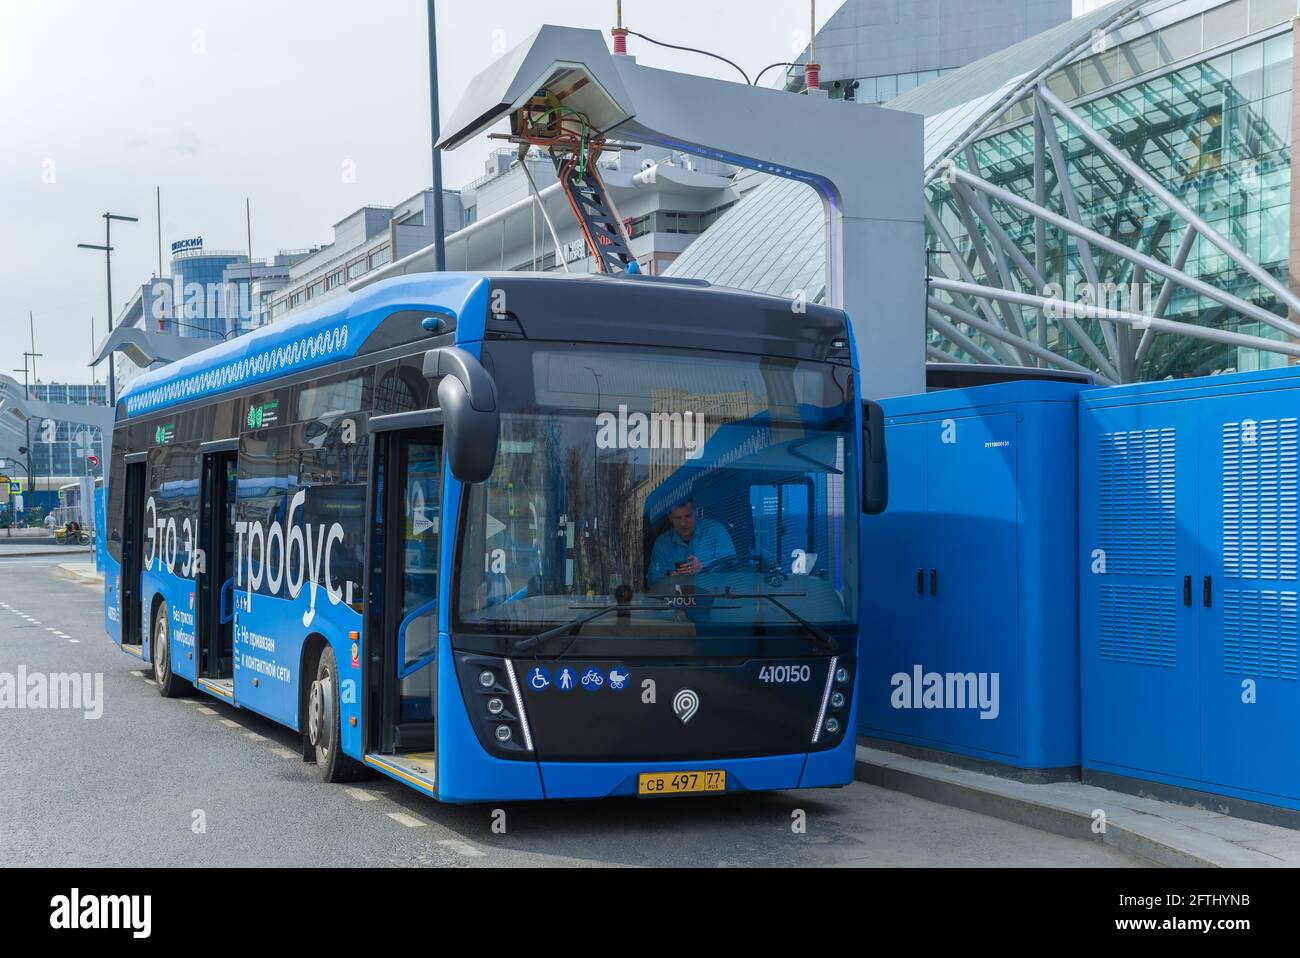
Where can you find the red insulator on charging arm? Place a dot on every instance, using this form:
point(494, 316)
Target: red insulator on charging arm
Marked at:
point(812, 76)
point(620, 40)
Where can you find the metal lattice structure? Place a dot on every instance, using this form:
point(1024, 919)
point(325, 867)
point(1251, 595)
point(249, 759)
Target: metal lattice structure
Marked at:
point(1143, 146)
point(1009, 227)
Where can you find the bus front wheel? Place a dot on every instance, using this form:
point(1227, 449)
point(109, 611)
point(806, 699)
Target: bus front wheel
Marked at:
point(323, 731)
point(160, 650)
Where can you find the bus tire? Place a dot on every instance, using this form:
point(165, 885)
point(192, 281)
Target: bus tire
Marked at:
point(169, 685)
point(323, 729)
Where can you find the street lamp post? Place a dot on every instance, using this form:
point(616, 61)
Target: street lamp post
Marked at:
point(27, 424)
point(108, 274)
point(440, 253)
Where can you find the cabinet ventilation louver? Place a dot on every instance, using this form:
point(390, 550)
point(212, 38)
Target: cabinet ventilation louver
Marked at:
point(1259, 499)
point(1259, 633)
point(1138, 624)
point(1136, 499)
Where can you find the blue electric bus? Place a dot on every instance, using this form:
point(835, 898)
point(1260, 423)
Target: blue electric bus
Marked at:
point(512, 536)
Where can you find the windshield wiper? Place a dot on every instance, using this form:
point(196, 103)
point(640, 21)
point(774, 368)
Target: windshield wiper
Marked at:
point(573, 625)
point(568, 628)
point(815, 632)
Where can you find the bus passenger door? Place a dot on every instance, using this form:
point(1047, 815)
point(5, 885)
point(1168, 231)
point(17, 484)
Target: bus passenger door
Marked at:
point(405, 545)
point(216, 585)
point(133, 536)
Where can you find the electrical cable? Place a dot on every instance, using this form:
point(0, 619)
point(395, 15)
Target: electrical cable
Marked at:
point(769, 67)
point(673, 46)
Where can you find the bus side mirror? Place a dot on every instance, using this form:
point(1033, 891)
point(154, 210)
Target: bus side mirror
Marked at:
point(875, 465)
point(470, 416)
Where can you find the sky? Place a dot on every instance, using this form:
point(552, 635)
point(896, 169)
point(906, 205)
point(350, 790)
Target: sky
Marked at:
point(308, 108)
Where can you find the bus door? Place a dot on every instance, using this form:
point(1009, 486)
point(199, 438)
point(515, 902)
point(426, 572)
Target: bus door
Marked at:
point(405, 542)
point(133, 536)
point(216, 586)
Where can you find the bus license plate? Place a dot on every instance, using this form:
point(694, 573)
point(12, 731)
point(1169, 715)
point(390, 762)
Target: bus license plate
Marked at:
point(680, 783)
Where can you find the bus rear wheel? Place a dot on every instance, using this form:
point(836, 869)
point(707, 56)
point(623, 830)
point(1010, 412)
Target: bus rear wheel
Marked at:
point(160, 651)
point(323, 729)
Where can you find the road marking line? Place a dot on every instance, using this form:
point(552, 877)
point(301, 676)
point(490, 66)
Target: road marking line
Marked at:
point(255, 737)
point(206, 711)
point(410, 821)
point(75, 641)
point(50, 628)
point(230, 723)
point(461, 848)
point(139, 674)
point(360, 795)
point(285, 753)
point(150, 682)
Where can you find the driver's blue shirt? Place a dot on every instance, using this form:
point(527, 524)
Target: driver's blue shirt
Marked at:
point(709, 544)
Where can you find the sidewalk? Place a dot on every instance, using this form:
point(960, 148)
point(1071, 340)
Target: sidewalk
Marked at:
point(82, 570)
point(1161, 832)
point(20, 548)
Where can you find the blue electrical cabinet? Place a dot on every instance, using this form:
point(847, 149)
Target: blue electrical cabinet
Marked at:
point(1188, 590)
point(969, 634)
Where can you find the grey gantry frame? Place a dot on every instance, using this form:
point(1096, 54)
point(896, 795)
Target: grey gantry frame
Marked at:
point(985, 318)
point(862, 161)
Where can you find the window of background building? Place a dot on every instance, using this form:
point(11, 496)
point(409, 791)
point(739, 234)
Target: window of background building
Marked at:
point(379, 257)
point(356, 269)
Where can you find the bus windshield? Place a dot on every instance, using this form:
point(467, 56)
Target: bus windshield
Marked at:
point(689, 489)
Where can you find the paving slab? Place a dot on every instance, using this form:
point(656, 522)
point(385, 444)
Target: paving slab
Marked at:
point(1161, 832)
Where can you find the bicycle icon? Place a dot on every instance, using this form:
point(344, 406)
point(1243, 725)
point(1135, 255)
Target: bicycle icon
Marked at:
point(592, 680)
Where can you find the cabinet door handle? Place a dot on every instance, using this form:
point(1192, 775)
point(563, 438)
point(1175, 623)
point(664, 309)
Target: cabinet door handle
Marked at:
point(1187, 591)
point(934, 581)
point(920, 582)
point(1207, 592)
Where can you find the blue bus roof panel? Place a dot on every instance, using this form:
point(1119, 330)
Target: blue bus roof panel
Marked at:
point(326, 334)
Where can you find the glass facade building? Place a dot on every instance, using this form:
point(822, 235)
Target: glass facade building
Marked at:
point(209, 299)
point(1211, 121)
point(1111, 195)
point(59, 449)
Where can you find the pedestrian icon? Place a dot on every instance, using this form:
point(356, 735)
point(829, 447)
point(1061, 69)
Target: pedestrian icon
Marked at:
point(618, 679)
point(538, 679)
point(566, 679)
point(592, 680)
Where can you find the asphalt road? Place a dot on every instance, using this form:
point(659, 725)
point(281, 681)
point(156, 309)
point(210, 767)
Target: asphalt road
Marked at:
point(192, 781)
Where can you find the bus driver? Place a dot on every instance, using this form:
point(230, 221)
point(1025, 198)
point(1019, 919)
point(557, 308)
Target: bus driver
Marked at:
point(690, 545)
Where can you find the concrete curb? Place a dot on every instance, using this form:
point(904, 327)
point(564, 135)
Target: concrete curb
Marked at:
point(77, 569)
point(1176, 836)
point(70, 551)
